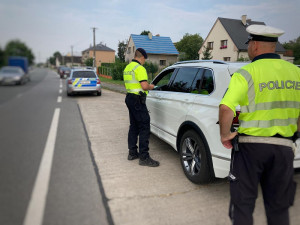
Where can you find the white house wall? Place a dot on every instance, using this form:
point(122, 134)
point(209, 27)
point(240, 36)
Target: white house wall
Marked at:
point(129, 56)
point(217, 34)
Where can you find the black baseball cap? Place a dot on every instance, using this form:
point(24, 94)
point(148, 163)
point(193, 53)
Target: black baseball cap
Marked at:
point(143, 52)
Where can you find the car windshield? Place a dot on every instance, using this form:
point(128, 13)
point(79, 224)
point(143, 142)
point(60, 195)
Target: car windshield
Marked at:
point(84, 74)
point(10, 70)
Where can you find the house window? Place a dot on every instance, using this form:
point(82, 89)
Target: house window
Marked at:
point(223, 44)
point(129, 50)
point(227, 59)
point(133, 49)
point(210, 45)
point(162, 62)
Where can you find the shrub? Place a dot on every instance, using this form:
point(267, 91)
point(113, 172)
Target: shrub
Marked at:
point(117, 71)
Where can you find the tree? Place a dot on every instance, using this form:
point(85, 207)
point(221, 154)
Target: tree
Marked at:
point(151, 68)
point(145, 32)
point(294, 45)
point(190, 45)
point(121, 51)
point(206, 54)
point(89, 62)
point(58, 55)
point(18, 48)
point(52, 60)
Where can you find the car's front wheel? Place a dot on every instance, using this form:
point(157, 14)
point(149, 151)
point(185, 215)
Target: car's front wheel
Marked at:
point(194, 158)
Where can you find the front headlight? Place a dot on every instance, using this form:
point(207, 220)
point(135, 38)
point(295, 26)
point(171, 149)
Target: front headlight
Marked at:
point(17, 78)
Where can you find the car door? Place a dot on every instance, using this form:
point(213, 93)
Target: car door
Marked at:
point(174, 103)
point(162, 82)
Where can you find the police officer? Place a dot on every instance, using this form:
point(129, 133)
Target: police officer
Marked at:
point(268, 92)
point(137, 86)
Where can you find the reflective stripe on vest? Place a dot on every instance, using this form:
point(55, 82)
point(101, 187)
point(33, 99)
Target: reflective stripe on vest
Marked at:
point(251, 114)
point(131, 80)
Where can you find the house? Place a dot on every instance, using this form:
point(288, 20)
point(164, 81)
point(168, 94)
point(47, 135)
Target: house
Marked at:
point(103, 54)
point(160, 50)
point(226, 40)
point(69, 60)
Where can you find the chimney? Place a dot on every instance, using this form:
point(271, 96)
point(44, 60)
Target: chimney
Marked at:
point(150, 35)
point(244, 19)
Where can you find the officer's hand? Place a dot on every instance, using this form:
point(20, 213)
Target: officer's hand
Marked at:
point(226, 140)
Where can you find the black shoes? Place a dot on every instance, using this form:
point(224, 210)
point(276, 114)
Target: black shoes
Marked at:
point(132, 157)
point(149, 162)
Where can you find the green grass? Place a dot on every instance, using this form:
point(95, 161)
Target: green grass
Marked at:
point(120, 82)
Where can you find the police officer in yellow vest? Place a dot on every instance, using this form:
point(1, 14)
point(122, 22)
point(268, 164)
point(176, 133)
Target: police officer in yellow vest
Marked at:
point(268, 92)
point(137, 86)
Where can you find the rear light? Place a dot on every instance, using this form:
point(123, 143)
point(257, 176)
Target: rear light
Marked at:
point(69, 81)
point(98, 81)
point(235, 121)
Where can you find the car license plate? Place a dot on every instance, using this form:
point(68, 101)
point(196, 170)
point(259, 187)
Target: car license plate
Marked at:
point(85, 82)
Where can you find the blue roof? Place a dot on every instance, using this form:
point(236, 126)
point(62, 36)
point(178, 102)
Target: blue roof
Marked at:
point(156, 45)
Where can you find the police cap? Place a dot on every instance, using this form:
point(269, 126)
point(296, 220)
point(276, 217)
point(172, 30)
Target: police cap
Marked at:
point(263, 33)
point(143, 52)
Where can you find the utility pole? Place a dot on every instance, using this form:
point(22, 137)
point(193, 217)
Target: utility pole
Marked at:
point(94, 38)
point(71, 56)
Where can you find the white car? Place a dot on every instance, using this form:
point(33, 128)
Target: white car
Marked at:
point(184, 110)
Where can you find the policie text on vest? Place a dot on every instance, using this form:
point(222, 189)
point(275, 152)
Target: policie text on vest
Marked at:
point(288, 84)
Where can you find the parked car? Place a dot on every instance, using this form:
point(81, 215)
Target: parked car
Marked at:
point(13, 75)
point(64, 72)
point(184, 109)
point(83, 80)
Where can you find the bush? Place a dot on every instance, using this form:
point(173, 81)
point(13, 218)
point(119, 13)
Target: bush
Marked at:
point(117, 71)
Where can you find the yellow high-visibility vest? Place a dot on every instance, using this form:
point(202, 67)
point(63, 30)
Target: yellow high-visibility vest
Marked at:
point(268, 91)
point(132, 75)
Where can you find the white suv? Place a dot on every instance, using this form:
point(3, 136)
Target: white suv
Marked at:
point(184, 110)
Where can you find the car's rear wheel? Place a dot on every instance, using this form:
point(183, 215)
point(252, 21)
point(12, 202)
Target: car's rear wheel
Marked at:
point(194, 158)
point(99, 93)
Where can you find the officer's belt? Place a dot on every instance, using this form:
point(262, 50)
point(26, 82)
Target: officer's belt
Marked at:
point(267, 140)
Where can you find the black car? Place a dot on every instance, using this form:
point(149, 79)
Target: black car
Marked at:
point(64, 72)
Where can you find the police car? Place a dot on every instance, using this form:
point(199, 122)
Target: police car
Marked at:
point(83, 81)
point(184, 109)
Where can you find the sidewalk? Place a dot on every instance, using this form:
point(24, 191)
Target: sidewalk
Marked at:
point(152, 196)
point(113, 87)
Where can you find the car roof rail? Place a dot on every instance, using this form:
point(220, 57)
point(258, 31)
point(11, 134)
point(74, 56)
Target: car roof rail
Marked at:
point(200, 61)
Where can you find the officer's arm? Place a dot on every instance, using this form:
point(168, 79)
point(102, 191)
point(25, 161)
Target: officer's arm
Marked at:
point(146, 86)
point(225, 120)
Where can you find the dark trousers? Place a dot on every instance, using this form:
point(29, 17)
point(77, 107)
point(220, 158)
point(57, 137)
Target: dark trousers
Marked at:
point(139, 126)
point(272, 167)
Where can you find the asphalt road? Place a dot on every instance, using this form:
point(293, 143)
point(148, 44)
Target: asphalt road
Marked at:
point(72, 195)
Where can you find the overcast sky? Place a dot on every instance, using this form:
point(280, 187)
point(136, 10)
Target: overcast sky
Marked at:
point(56, 25)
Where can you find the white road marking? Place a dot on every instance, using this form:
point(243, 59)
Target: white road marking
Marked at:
point(60, 91)
point(60, 83)
point(37, 203)
point(59, 99)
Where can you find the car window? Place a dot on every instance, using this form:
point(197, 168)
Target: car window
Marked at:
point(10, 70)
point(184, 79)
point(204, 82)
point(163, 80)
point(84, 74)
point(207, 85)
